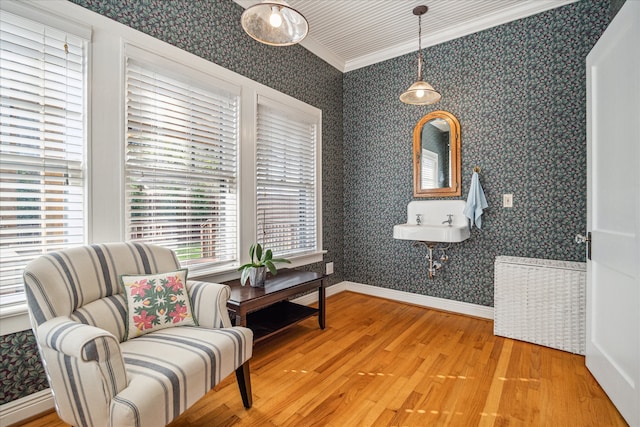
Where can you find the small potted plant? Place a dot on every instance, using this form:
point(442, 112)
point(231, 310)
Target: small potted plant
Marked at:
point(256, 270)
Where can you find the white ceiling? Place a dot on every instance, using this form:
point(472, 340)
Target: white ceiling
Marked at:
point(351, 34)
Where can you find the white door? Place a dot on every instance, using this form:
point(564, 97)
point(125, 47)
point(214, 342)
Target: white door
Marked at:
point(613, 211)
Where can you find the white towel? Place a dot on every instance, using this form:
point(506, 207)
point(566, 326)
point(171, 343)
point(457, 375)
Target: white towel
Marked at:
point(476, 202)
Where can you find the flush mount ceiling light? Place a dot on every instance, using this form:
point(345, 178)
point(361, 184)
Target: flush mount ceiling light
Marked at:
point(275, 23)
point(421, 92)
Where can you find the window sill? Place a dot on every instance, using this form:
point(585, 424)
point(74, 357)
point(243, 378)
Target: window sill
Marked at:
point(15, 318)
point(230, 273)
point(307, 259)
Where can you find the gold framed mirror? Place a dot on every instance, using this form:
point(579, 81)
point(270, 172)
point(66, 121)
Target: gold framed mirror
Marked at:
point(436, 156)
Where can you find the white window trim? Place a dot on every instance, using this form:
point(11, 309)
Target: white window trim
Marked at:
point(106, 126)
point(179, 71)
point(251, 93)
point(14, 315)
point(305, 115)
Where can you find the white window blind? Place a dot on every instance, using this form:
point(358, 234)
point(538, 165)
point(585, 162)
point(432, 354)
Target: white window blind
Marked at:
point(286, 181)
point(429, 172)
point(42, 150)
point(181, 165)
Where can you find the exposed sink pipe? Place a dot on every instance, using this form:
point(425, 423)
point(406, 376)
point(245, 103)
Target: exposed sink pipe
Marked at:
point(434, 264)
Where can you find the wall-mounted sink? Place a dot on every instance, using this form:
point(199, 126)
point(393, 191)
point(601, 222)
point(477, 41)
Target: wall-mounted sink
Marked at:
point(433, 216)
point(433, 224)
point(431, 233)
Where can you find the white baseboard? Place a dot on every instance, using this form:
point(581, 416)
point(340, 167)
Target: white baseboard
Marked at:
point(312, 297)
point(26, 407)
point(401, 296)
point(422, 300)
point(37, 403)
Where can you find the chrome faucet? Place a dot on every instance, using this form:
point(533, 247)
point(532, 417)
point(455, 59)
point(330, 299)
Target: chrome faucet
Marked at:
point(449, 221)
point(418, 219)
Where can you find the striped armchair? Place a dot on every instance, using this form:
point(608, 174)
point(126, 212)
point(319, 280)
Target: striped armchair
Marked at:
point(98, 378)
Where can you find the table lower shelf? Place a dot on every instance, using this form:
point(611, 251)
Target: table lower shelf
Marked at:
point(277, 317)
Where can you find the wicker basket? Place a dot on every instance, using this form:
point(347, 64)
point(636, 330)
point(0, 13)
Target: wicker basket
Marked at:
point(541, 301)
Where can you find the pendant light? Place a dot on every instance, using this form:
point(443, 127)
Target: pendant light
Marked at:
point(421, 92)
point(275, 23)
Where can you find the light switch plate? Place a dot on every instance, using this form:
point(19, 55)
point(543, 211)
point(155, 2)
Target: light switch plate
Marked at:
point(507, 200)
point(329, 268)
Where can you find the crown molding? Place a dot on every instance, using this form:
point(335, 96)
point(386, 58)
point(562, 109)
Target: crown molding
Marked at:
point(323, 53)
point(514, 13)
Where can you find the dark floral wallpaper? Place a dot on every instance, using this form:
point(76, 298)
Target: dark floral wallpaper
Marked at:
point(616, 5)
point(21, 372)
point(519, 93)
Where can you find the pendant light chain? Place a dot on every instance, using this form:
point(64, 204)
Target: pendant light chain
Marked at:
point(419, 47)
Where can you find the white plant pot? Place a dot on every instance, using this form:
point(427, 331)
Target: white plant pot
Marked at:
point(257, 276)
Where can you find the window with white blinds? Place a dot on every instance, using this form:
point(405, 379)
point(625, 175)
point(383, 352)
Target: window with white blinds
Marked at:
point(429, 172)
point(181, 165)
point(286, 181)
point(43, 144)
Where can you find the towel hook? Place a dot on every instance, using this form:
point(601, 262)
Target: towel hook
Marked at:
point(477, 169)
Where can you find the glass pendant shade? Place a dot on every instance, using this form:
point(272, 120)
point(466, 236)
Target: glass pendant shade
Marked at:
point(275, 23)
point(420, 93)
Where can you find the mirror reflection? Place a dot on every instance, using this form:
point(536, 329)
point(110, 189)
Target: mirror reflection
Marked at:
point(435, 170)
point(436, 146)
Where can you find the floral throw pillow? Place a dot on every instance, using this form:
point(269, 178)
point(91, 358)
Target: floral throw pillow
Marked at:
point(156, 301)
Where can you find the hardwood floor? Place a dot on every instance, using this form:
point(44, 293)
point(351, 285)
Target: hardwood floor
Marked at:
point(383, 363)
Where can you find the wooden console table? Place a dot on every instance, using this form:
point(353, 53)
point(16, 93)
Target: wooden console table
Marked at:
point(267, 311)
